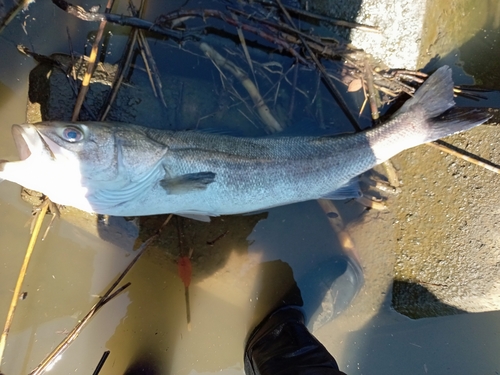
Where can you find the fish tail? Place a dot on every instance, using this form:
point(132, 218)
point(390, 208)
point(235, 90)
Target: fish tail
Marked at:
point(435, 99)
point(455, 120)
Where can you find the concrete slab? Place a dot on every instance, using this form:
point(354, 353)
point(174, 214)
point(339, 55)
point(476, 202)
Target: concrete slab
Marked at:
point(410, 32)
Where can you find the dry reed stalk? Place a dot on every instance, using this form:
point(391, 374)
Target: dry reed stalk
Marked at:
point(442, 147)
point(262, 109)
point(90, 67)
point(22, 274)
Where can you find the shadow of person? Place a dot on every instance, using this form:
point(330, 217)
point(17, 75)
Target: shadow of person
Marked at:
point(322, 294)
point(142, 366)
point(281, 343)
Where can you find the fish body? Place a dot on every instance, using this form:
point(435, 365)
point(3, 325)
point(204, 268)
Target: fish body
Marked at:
point(128, 170)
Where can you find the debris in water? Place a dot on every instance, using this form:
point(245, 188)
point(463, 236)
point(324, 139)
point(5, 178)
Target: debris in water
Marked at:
point(185, 272)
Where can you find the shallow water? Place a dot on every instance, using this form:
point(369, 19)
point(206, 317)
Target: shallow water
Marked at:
point(145, 327)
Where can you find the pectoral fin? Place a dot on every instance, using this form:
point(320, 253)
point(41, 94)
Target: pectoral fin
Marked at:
point(347, 191)
point(187, 182)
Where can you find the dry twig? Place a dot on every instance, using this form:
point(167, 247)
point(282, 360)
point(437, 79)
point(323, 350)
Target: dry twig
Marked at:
point(333, 21)
point(120, 74)
point(442, 146)
point(244, 46)
point(22, 274)
point(75, 332)
point(90, 67)
point(333, 90)
point(263, 110)
point(372, 93)
point(101, 362)
point(110, 294)
point(13, 12)
point(152, 69)
point(82, 14)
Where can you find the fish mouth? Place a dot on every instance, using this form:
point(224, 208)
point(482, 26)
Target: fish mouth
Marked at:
point(28, 141)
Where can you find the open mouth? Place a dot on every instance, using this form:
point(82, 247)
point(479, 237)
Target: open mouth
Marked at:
point(21, 145)
point(28, 140)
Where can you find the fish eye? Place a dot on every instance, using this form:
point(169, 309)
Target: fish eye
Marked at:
point(72, 134)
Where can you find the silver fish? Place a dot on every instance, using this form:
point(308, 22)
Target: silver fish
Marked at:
point(128, 170)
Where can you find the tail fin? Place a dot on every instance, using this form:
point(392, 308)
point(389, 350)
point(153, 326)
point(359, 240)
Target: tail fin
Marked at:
point(435, 97)
point(456, 120)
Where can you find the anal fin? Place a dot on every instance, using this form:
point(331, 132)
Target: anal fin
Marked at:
point(198, 217)
point(348, 191)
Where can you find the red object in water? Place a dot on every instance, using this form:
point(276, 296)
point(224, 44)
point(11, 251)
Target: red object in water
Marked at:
point(185, 270)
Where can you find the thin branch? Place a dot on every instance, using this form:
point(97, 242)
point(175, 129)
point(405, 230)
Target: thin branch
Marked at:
point(244, 46)
point(152, 69)
point(120, 74)
point(333, 21)
point(82, 14)
point(22, 274)
point(443, 146)
point(90, 66)
point(281, 26)
point(72, 336)
point(110, 294)
point(391, 174)
point(264, 112)
point(205, 13)
point(101, 362)
point(372, 93)
point(294, 86)
point(328, 81)
point(13, 12)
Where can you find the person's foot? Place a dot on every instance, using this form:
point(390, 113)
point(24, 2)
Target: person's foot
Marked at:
point(281, 344)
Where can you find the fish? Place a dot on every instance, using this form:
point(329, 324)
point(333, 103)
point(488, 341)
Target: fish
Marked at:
point(129, 170)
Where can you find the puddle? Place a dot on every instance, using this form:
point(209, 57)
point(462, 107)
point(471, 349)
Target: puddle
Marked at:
point(145, 327)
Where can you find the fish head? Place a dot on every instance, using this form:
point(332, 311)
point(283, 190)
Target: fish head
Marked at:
point(105, 154)
point(92, 166)
point(84, 151)
point(65, 161)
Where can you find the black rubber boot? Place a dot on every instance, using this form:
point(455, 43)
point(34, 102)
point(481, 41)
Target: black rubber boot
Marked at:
point(281, 344)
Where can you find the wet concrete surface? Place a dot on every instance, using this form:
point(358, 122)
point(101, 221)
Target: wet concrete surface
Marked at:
point(410, 33)
point(447, 223)
point(399, 25)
